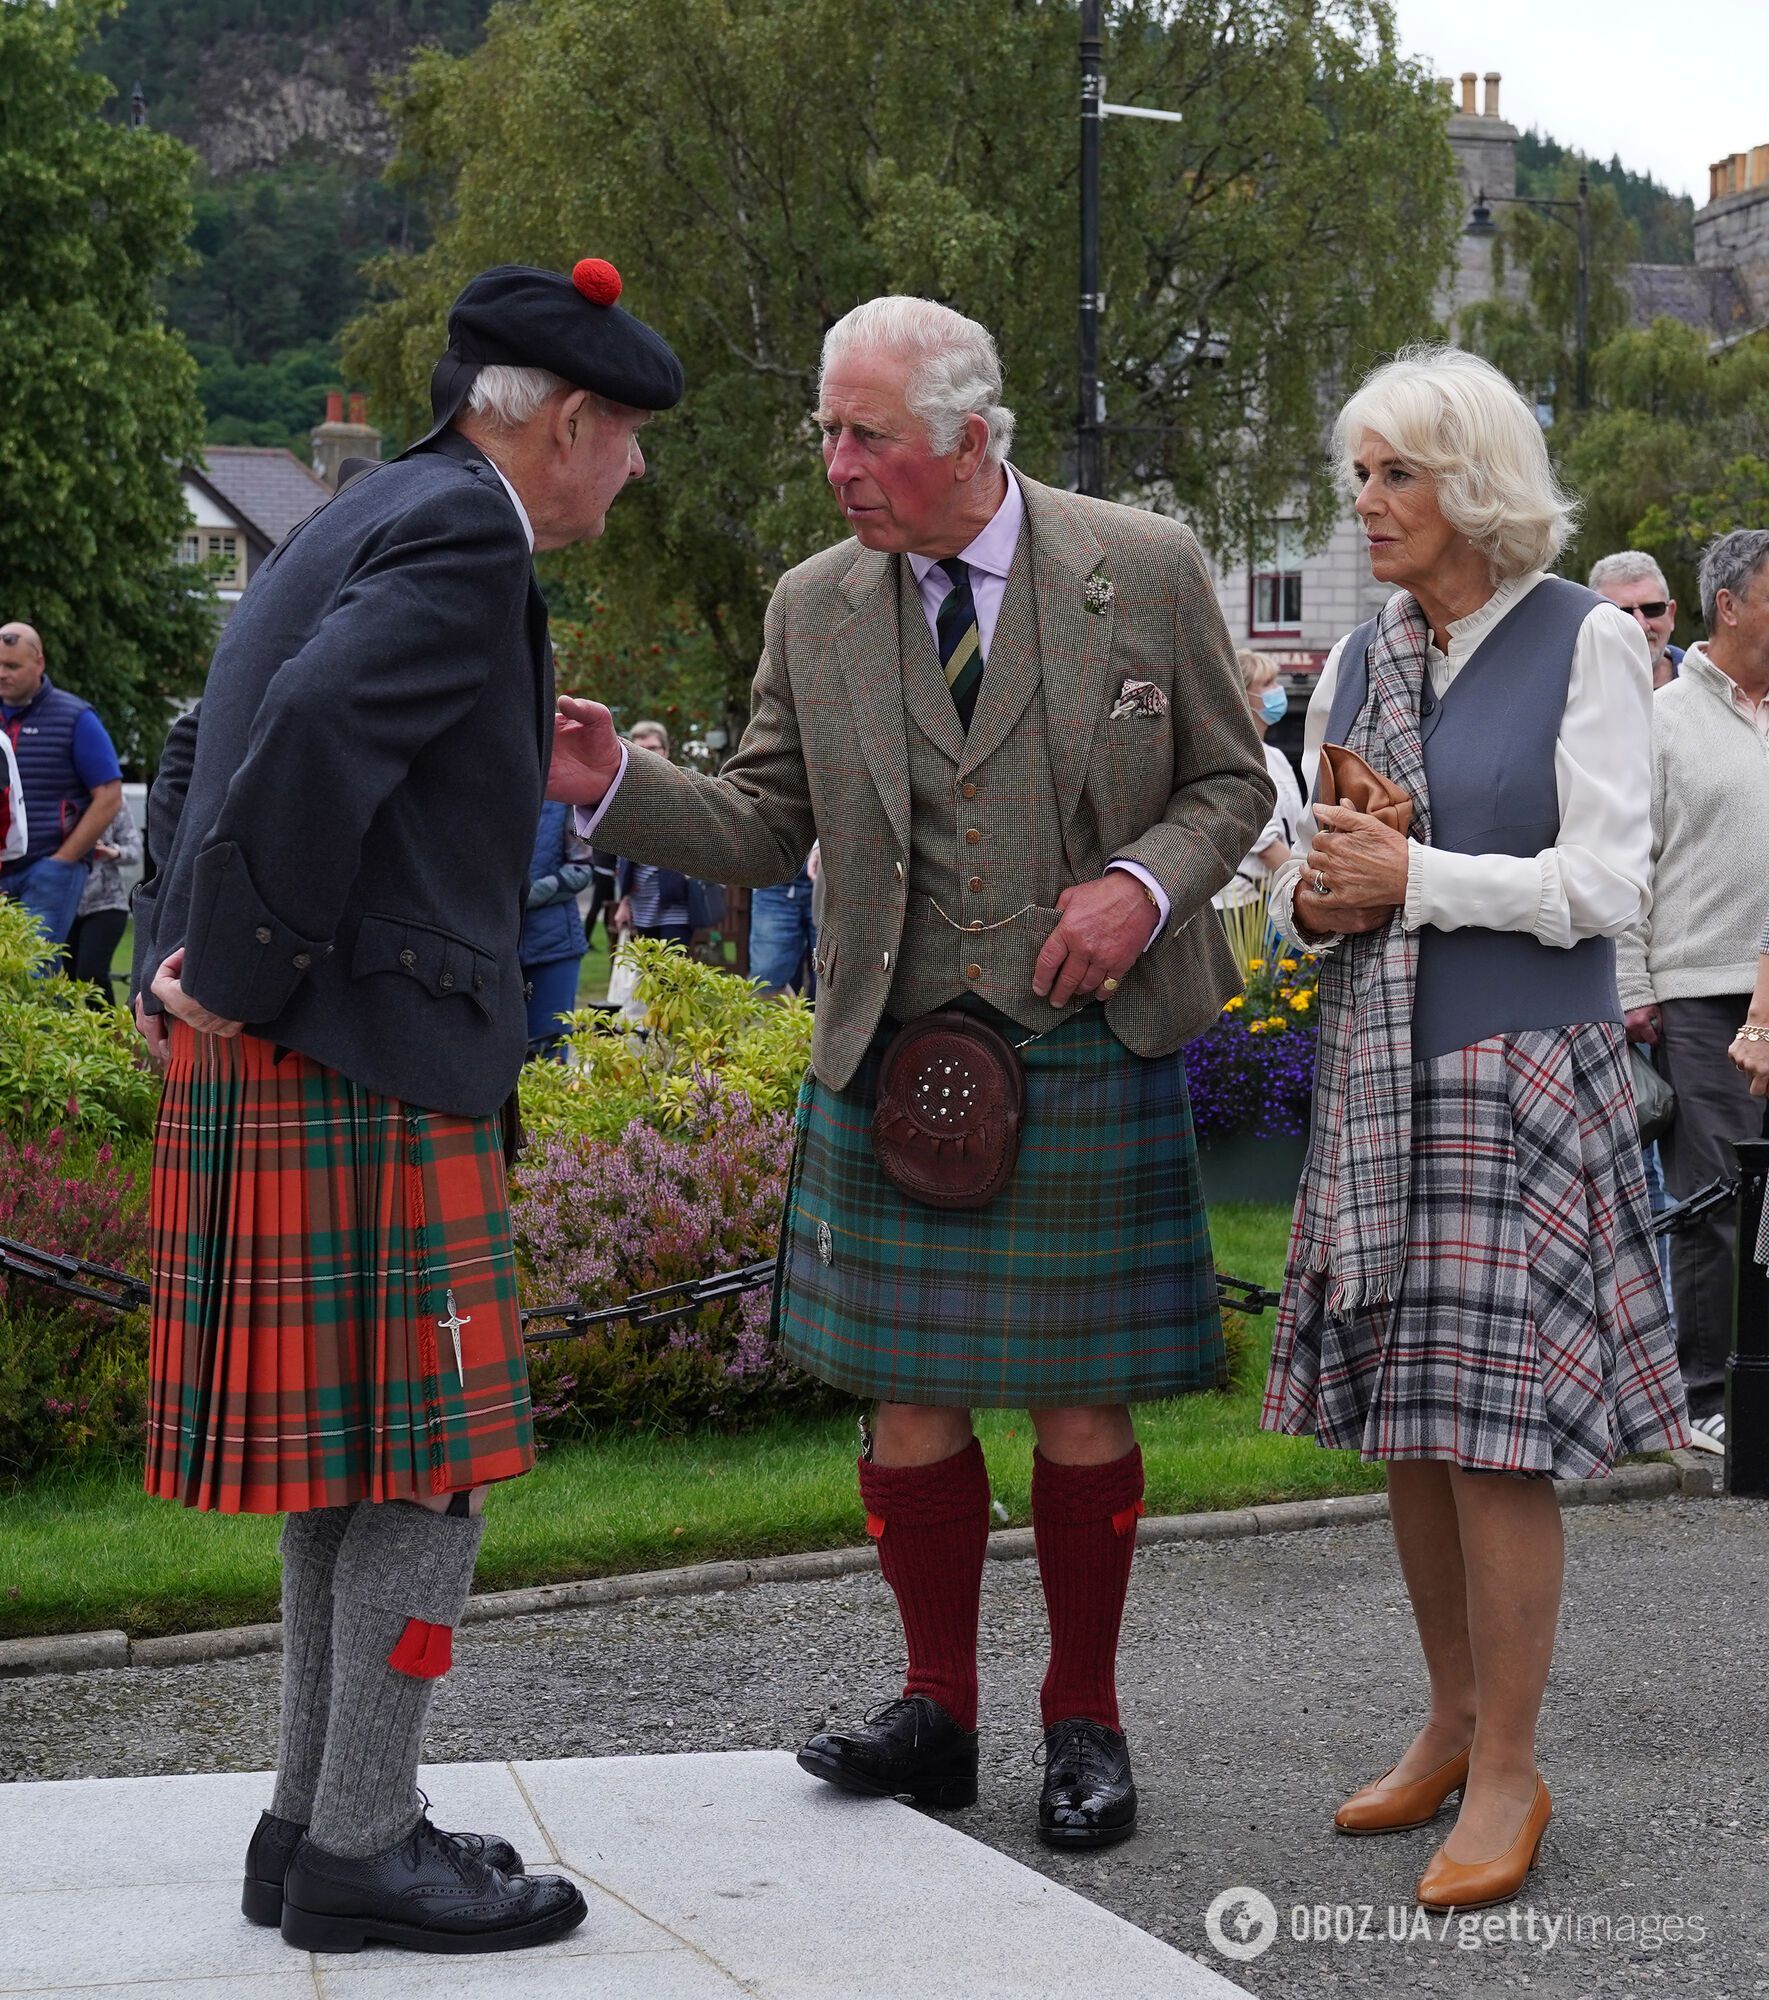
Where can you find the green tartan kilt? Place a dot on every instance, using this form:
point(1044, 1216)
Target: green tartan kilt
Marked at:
point(1088, 1280)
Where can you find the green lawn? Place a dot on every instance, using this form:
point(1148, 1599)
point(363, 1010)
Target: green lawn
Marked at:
point(90, 1552)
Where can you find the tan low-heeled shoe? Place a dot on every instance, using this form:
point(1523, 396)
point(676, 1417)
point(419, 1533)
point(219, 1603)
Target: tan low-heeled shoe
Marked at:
point(1371, 1811)
point(1472, 1885)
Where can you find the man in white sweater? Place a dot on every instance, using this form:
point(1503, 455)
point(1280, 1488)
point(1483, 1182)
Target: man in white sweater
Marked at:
point(1687, 968)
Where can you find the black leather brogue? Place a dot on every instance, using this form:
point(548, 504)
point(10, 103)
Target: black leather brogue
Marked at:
point(273, 1845)
point(1089, 1799)
point(910, 1748)
point(430, 1893)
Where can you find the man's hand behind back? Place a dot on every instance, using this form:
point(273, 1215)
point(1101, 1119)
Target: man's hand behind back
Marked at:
point(586, 753)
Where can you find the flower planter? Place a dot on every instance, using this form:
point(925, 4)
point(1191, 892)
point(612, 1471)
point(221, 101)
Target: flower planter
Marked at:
point(1239, 1167)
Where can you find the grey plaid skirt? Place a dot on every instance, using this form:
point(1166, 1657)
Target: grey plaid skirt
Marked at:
point(1531, 1333)
point(1088, 1280)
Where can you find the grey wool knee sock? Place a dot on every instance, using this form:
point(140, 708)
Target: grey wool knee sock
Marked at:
point(402, 1572)
point(310, 1550)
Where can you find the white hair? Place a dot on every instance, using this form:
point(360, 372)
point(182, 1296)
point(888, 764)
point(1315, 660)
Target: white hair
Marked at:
point(1627, 566)
point(1457, 420)
point(509, 397)
point(955, 372)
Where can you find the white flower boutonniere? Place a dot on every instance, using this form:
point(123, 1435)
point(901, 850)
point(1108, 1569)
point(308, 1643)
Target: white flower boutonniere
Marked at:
point(1097, 593)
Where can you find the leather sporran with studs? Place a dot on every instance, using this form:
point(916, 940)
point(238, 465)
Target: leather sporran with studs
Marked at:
point(951, 1102)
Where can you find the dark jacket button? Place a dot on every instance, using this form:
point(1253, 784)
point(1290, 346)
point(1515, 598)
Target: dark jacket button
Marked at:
point(262, 934)
point(528, 990)
point(408, 959)
point(303, 960)
point(479, 982)
point(447, 982)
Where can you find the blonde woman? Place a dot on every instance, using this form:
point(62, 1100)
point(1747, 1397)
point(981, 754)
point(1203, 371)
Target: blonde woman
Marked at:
point(1472, 1295)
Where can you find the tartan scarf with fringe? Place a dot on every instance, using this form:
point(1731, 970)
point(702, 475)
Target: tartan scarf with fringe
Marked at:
point(1351, 1207)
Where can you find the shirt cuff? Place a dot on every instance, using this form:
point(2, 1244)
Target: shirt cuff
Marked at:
point(1413, 909)
point(588, 821)
point(1283, 913)
point(1163, 908)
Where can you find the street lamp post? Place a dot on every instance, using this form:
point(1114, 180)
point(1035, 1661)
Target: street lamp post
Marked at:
point(1089, 472)
point(1481, 224)
point(1090, 417)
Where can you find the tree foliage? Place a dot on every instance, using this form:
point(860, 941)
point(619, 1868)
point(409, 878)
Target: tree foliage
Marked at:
point(1535, 339)
point(1674, 452)
point(98, 404)
point(756, 167)
point(1665, 222)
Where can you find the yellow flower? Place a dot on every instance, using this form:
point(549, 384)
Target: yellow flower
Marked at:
point(1300, 1001)
point(1256, 1027)
point(1233, 1006)
point(1274, 1020)
point(1286, 965)
point(1256, 965)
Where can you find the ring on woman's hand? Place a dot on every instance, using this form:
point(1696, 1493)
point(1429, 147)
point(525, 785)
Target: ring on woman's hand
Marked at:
point(1320, 883)
point(1108, 986)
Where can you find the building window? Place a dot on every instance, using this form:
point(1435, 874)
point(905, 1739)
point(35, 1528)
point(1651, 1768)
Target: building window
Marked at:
point(1276, 585)
point(222, 555)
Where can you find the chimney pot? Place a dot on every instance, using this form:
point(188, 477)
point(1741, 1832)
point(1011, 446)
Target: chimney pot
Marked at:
point(1468, 82)
point(1492, 93)
point(335, 406)
point(1759, 166)
point(359, 409)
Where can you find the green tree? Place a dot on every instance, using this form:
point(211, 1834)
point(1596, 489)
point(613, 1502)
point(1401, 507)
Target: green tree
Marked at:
point(98, 404)
point(1675, 451)
point(1535, 339)
point(756, 169)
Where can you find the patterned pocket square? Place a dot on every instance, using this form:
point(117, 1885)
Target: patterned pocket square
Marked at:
point(1138, 698)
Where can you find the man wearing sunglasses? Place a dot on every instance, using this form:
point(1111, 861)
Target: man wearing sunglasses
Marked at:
point(1634, 581)
point(70, 781)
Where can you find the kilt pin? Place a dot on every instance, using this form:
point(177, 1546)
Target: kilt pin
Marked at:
point(960, 777)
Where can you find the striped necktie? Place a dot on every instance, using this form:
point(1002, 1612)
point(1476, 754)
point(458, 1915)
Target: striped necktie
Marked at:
point(961, 646)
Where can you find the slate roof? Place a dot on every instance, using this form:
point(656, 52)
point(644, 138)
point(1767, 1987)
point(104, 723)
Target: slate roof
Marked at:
point(1708, 296)
point(266, 484)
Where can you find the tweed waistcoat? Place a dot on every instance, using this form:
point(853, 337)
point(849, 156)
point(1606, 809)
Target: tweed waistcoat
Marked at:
point(961, 827)
point(1489, 767)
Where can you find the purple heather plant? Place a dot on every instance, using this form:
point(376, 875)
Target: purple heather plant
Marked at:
point(601, 1219)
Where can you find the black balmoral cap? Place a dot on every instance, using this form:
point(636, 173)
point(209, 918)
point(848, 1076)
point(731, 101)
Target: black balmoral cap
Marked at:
point(518, 317)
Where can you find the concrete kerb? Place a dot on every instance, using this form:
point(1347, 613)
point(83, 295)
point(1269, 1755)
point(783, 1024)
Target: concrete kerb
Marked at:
point(1691, 1474)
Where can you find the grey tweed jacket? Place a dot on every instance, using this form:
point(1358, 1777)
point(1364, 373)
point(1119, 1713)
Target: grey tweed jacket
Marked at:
point(1111, 723)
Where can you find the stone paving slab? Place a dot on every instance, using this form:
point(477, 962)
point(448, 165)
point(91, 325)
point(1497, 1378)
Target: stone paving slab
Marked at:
point(708, 1876)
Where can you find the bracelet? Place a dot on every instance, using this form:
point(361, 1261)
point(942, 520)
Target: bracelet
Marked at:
point(1752, 1032)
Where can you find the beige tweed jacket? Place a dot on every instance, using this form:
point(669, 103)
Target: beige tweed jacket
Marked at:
point(1111, 722)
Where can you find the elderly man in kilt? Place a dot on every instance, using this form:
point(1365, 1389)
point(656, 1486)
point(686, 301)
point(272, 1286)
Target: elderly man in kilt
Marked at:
point(1014, 720)
point(329, 952)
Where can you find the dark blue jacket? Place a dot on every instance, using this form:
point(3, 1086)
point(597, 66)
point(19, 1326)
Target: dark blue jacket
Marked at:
point(346, 862)
point(552, 929)
point(49, 779)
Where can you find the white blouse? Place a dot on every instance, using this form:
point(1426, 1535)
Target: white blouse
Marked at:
point(1593, 882)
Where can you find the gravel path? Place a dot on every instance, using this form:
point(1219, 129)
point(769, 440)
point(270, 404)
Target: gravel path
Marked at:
point(1262, 1679)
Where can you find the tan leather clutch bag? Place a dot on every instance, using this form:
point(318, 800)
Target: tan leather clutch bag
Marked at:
point(1346, 780)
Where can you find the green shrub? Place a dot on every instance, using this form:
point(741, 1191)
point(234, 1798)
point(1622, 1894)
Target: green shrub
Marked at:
point(59, 1057)
point(700, 1023)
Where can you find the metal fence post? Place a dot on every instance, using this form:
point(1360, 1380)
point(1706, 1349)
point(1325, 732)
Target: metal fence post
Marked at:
point(1747, 1366)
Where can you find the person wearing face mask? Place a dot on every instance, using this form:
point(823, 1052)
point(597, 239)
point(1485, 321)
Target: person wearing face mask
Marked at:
point(1269, 704)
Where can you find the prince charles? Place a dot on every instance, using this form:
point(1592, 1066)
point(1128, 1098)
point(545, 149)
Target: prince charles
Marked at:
point(1013, 718)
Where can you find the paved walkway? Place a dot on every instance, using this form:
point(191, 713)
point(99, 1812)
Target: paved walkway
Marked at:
point(708, 1877)
point(1262, 1679)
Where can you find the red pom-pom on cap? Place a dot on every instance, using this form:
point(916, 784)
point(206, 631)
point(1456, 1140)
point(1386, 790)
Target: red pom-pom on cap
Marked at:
point(597, 279)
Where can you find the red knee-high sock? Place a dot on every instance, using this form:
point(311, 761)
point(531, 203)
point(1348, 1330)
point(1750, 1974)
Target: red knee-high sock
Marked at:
point(1084, 1524)
point(931, 1523)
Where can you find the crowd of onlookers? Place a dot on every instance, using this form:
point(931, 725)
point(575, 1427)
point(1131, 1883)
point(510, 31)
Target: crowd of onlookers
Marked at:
point(1693, 971)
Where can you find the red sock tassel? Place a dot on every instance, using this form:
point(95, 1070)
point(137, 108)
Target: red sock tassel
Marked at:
point(1084, 1524)
point(425, 1652)
point(931, 1523)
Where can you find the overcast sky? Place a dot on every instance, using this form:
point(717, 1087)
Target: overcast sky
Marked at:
point(1670, 85)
